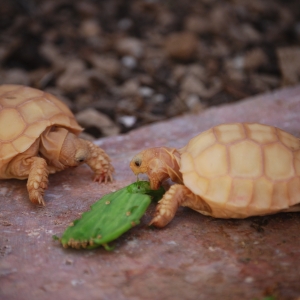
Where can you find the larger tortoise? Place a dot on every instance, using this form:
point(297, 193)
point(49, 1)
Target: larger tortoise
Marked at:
point(229, 171)
point(38, 136)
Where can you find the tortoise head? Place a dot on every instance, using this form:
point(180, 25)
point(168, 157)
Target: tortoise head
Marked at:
point(62, 148)
point(74, 151)
point(159, 164)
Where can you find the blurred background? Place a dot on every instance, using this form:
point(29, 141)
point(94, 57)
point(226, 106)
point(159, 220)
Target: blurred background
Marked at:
point(122, 64)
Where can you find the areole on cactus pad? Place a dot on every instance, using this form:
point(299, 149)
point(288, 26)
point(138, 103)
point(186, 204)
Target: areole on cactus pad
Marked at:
point(110, 217)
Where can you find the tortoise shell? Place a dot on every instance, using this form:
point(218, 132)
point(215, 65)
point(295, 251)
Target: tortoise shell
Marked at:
point(25, 113)
point(243, 169)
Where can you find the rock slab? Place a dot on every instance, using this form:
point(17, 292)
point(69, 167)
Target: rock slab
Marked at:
point(194, 257)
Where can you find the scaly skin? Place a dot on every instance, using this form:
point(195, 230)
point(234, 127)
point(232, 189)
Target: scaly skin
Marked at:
point(177, 195)
point(37, 180)
point(100, 163)
point(168, 205)
point(161, 163)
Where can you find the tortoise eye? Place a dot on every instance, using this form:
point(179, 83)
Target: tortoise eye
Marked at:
point(53, 128)
point(138, 163)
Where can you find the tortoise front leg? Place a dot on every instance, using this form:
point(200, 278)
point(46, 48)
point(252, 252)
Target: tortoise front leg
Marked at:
point(168, 205)
point(100, 163)
point(177, 195)
point(37, 179)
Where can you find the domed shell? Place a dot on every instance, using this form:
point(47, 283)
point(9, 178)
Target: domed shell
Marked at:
point(24, 114)
point(243, 169)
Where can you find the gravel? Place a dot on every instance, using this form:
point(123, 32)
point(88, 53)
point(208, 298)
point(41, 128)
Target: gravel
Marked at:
point(131, 63)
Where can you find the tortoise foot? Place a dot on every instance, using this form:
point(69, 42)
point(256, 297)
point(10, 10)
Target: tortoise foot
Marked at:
point(100, 163)
point(167, 206)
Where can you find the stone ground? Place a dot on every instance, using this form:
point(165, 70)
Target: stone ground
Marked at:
point(194, 257)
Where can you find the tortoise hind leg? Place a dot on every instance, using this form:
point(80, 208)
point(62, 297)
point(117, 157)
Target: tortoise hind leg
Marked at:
point(37, 180)
point(36, 170)
point(27, 165)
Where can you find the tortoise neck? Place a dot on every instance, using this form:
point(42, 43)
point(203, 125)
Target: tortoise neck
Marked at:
point(51, 143)
point(171, 157)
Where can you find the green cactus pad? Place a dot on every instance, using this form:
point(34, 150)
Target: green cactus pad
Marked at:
point(143, 187)
point(110, 217)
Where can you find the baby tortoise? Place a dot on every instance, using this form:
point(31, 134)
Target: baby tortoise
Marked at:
point(38, 136)
point(229, 171)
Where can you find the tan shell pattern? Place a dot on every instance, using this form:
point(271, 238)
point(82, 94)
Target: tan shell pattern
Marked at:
point(24, 114)
point(243, 169)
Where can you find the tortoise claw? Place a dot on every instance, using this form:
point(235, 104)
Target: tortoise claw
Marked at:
point(164, 213)
point(37, 198)
point(159, 221)
point(168, 205)
point(104, 177)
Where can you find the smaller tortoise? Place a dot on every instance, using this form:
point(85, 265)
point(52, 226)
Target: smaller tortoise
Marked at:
point(38, 136)
point(229, 171)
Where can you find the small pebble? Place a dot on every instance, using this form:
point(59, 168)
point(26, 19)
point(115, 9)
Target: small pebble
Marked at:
point(129, 62)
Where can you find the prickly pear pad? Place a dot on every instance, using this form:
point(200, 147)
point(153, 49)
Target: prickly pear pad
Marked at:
point(110, 217)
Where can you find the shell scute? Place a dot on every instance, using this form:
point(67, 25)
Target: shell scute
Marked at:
point(34, 130)
point(199, 143)
point(65, 122)
point(212, 161)
point(246, 159)
point(187, 163)
point(288, 140)
point(12, 101)
point(197, 184)
point(13, 95)
point(10, 132)
point(280, 197)
point(297, 162)
point(294, 191)
point(37, 109)
point(219, 189)
point(278, 162)
point(22, 143)
point(60, 105)
point(260, 133)
point(262, 195)
point(241, 193)
point(6, 88)
point(229, 133)
point(6, 150)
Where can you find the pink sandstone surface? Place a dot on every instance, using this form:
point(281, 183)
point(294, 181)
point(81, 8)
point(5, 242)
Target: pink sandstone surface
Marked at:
point(194, 257)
